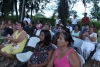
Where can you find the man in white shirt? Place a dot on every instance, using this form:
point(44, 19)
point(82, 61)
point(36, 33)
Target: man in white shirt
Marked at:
point(57, 20)
point(74, 21)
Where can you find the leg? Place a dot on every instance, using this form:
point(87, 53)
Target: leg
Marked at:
point(8, 59)
point(2, 58)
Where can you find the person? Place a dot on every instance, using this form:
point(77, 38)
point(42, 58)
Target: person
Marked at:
point(89, 42)
point(76, 32)
point(85, 21)
point(55, 28)
point(74, 21)
point(27, 18)
point(68, 26)
point(47, 27)
point(18, 41)
point(30, 29)
point(57, 20)
point(42, 52)
point(94, 27)
point(96, 55)
point(26, 25)
point(39, 25)
point(85, 29)
point(64, 55)
point(9, 28)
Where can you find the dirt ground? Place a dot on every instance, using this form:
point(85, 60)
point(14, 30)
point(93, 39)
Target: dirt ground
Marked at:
point(5, 61)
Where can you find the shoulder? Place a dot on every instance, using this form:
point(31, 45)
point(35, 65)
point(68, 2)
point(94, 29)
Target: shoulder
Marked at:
point(73, 54)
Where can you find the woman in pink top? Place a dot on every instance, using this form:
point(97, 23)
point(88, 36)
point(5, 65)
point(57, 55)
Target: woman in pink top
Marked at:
point(39, 25)
point(64, 56)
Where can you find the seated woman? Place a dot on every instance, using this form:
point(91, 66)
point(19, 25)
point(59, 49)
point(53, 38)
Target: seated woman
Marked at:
point(90, 40)
point(18, 40)
point(76, 32)
point(42, 52)
point(64, 55)
point(30, 29)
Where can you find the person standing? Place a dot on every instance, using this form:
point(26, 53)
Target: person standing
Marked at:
point(85, 21)
point(74, 21)
point(27, 18)
point(57, 20)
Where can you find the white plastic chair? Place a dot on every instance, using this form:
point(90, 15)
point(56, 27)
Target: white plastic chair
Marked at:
point(38, 32)
point(24, 57)
point(28, 36)
point(82, 60)
point(77, 43)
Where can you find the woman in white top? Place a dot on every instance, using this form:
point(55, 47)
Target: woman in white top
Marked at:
point(27, 18)
point(90, 40)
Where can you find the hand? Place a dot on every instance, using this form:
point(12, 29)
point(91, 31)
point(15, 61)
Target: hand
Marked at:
point(35, 65)
point(6, 38)
point(3, 22)
point(87, 34)
point(29, 63)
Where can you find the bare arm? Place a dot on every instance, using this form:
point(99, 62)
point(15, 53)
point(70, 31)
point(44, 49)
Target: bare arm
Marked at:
point(45, 63)
point(50, 64)
point(21, 37)
point(74, 59)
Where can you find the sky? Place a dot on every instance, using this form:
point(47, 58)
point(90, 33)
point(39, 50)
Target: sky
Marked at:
point(78, 7)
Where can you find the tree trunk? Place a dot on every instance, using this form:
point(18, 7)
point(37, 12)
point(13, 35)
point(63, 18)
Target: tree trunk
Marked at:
point(22, 14)
point(63, 9)
point(15, 1)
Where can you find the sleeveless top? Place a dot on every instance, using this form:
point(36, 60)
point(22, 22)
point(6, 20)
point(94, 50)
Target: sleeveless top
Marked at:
point(75, 34)
point(16, 35)
point(63, 62)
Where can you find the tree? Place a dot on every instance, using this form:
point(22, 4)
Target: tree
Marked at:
point(95, 12)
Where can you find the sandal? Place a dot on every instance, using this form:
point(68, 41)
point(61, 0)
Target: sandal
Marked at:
point(1, 59)
point(15, 64)
point(9, 63)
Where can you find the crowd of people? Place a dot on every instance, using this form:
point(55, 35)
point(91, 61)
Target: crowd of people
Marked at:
point(45, 54)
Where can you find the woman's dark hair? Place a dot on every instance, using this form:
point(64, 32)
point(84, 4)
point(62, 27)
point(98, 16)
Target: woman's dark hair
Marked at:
point(40, 21)
point(78, 26)
point(68, 37)
point(47, 39)
point(26, 22)
point(22, 24)
point(27, 15)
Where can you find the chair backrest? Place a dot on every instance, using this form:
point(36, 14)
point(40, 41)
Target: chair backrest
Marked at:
point(82, 60)
point(33, 41)
point(77, 42)
point(38, 32)
point(28, 36)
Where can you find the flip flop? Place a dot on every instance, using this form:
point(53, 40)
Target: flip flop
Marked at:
point(9, 63)
point(15, 65)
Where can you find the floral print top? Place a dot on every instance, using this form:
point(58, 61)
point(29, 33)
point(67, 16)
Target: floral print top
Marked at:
point(40, 55)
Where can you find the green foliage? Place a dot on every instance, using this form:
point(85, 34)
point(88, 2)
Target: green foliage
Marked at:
point(44, 20)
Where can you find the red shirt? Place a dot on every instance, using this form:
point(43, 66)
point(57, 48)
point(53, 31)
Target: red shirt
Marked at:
point(85, 20)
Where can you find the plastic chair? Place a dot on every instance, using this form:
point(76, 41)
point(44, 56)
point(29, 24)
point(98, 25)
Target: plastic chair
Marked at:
point(24, 57)
point(77, 43)
point(82, 60)
point(38, 32)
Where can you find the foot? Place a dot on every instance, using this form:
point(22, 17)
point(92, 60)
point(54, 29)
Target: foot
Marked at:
point(9, 63)
point(15, 64)
point(1, 59)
